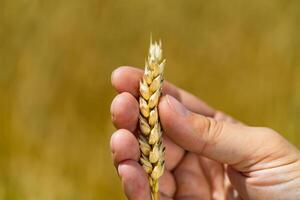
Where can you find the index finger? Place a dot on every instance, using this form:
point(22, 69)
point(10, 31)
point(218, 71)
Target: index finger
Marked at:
point(126, 79)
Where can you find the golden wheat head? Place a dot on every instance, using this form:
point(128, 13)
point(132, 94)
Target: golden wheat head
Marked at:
point(150, 132)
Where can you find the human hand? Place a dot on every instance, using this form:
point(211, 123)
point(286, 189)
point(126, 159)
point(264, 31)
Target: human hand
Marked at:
point(208, 154)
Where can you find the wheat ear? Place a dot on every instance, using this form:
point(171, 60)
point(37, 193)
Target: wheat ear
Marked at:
point(150, 132)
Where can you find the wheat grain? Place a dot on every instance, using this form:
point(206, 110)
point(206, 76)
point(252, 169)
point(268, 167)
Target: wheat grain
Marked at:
point(150, 132)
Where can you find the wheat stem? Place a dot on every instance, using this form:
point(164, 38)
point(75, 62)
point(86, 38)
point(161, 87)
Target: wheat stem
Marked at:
point(150, 132)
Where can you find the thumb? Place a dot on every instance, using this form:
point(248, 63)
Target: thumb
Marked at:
point(234, 144)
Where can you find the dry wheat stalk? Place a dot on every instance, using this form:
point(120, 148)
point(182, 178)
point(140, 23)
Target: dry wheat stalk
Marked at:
point(150, 132)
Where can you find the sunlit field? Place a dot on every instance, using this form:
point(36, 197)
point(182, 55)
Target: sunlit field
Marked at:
point(56, 58)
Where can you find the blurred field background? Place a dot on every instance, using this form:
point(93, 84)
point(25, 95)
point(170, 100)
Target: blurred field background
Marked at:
point(56, 57)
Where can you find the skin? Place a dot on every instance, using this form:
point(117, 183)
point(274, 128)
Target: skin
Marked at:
point(209, 155)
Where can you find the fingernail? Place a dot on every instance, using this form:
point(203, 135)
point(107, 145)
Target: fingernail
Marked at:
point(177, 106)
point(112, 108)
point(121, 168)
point(112, 76)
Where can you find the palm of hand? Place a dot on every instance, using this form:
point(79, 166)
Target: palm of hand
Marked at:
point(190, 176)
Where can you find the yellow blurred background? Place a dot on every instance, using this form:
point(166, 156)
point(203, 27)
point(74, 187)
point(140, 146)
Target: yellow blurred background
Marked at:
point(56, 57)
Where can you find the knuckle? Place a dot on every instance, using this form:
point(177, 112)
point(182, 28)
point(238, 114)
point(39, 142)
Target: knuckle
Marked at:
point(214, 131)
point(210, 130)
point(266, 132)
point(270, 136)
point(220, 116)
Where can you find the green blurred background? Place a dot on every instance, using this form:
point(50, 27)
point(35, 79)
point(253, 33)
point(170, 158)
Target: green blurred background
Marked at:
point(56, 57)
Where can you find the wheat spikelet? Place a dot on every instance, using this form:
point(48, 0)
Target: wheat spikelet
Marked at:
point(150, 132)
